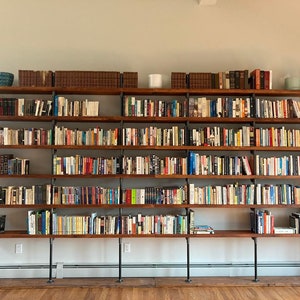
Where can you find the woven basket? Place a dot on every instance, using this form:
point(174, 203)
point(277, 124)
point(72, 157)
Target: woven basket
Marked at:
point(6, 79)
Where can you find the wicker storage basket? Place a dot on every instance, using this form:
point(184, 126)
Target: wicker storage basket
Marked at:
point(178, 80)
point(6, 79)
point(35, 78)
point(200, 80)
point(130, 79)
point(96, 79)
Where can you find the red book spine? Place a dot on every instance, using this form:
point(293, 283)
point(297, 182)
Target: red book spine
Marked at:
point(256, 75)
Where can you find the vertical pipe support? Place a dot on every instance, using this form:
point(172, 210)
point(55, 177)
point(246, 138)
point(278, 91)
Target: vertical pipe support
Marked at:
point(188, 279)
point(120, 261)
point(50, 279)
point(255, 259)
point(120, 247)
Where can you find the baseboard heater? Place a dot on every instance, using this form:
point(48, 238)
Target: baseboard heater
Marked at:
point(152, 266)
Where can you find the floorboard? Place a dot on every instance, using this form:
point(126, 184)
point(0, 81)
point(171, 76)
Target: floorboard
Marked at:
point(206, 288)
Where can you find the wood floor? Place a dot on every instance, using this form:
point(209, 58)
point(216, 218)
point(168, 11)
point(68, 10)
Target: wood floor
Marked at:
point(216, 288)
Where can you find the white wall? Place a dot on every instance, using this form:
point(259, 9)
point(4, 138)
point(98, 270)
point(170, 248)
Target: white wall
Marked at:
point(151, 36)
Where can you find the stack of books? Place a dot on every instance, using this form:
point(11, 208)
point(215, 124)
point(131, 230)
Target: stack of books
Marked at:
point(202, 229)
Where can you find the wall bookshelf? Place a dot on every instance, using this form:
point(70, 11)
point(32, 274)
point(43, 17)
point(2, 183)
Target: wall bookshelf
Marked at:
point(124, 180)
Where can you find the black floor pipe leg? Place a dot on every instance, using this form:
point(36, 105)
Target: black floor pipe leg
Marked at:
point(255, 260)
point(50, 280)
point(120, 261)
point(188, 279)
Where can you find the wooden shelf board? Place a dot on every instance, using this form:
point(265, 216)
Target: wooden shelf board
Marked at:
point(217, 234)
point(145, 91)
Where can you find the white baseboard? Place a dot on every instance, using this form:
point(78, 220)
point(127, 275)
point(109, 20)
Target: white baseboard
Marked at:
point(148, 270)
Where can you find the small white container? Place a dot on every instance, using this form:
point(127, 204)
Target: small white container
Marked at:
point(292, 83)
point(155, 80)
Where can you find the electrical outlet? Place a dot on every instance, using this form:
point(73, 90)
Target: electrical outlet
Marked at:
point(59, 270)
point(19, 248)
point(127, 248)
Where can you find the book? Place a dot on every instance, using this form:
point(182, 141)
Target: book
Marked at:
point(254, 79)
point(294, 222)
point(284, 230)
point(246, 165)
point(202, 229)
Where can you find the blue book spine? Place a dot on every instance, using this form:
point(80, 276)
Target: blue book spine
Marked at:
point(55, 108)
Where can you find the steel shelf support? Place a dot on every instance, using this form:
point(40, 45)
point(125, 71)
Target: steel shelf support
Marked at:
point(255, 259)
point(188, 279)
point(120, 261)
point(50, 279)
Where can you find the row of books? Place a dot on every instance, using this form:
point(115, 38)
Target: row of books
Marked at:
point(60, 106)
point(92, 136)
point(232, 194)
point(276, 108)
point(33, 107)
point(133, 107)
point(243, 108)
point(220, 136)
point(277, 194)
point(25, 136)
point(260, 79)
point(114, 224)
point(277, 137)
point(39, 222)
point(155, 224)
point(85, 165)
point(233, 79)
point(77, 195)
point(25, 195)
point(193, 107)
point(263, 222)
point(153, 136)
point(4, 158)
point(203, 107)
point(155, 195)
point(240, 194)
point(75, 108)
point(194, 164)
point(218, 165)
point(10, 165)
point(245, 136)
point(41, 194)
point(153, 164)
point(281, 166)
point(8, 107)
point(226, 194)
point(44, 222)
point(105, 195)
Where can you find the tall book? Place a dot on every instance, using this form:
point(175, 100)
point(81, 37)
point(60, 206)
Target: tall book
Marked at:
point(254, 79)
